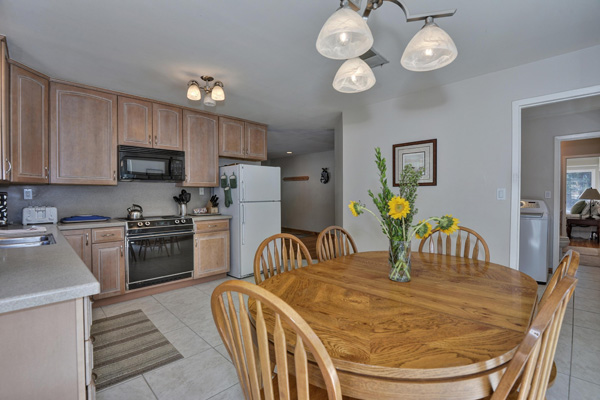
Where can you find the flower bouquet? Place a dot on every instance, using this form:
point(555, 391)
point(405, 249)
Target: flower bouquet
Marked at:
point(396, 214)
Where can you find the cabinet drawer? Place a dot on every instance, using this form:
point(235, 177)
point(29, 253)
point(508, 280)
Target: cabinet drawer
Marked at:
point(212, 226)
point(101, 235)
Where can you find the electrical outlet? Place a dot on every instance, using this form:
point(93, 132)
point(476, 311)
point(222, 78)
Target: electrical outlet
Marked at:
point(201, 191)
point(27, 194)
point(548, 194)
point(501, 194)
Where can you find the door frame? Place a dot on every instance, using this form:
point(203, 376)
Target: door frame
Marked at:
point(515, 212)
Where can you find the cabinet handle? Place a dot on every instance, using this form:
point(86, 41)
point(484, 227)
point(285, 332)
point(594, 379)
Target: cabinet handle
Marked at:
point(212, 226)
point(87, 239)
point(150, 139)
point(121, 250)
point(108, 235)
point(94, 377)
point(9, 166)
point(47, 174)
point(114, 175)
point(196, 242)
point(92, 339)
point(155, 140)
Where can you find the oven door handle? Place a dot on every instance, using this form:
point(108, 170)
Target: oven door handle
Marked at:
point(178, 234)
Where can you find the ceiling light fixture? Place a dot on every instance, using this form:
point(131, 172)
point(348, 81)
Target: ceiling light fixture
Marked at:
point(346, 35)
point(214, 93)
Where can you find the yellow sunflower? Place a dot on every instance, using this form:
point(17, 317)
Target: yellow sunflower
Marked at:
point(424, 230)
point(399, 207)
point(354, 206)
point(448, 225)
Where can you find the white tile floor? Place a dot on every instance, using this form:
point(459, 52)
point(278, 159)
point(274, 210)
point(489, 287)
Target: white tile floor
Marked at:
point(184, 317)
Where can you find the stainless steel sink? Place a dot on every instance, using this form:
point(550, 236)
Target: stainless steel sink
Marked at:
point(26, 241)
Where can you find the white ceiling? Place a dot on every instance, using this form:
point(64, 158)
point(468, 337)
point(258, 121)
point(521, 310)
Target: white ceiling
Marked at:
point(264, 51)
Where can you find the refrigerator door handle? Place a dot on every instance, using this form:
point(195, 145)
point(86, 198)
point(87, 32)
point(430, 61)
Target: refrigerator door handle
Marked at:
point(243, 191)
point(243, 224)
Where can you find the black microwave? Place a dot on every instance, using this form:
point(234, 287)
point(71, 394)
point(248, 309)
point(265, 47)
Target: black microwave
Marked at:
point(144, 164)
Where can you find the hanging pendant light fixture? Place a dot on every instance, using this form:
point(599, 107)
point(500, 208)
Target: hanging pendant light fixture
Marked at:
point(354, 76)
point(344, 37)
point(214, 93)
point(431, 48)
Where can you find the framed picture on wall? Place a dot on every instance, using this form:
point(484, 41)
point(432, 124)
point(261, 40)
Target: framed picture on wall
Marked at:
point(421, 154)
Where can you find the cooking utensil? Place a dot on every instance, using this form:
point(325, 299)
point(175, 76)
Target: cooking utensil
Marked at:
point(176, 199)
point(135, 212)
point(187, 197)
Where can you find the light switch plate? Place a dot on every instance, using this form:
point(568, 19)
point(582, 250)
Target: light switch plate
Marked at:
point(201, 191)
point(548, 194)
point(501, 194)
point(27, 194)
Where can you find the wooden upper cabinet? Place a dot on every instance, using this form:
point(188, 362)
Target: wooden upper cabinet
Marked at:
point(166, 125)
point(29, 126)
point(135, 122)
point(256, 141)
point(231, 138)
point(5, 165)
point(201, 145)
point(83, 136)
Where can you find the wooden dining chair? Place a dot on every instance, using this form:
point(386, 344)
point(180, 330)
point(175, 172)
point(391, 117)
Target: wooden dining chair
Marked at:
point(530, 367)
point(279, 253)
point(334, 241)
point(468, 244)
point(251, 352)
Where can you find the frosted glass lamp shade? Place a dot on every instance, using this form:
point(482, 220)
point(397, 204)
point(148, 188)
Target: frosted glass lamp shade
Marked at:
point(345, 35)
point(217, 93)
point(354, 76)
point(209, 101)
point(193, 92)
point(431, 48)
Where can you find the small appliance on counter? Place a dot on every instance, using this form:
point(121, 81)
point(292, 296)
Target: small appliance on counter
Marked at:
point(39, 215)
point(3, 208)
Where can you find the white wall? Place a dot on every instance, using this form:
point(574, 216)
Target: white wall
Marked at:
point(338, 136)
point(472, 121)
point(307, 205)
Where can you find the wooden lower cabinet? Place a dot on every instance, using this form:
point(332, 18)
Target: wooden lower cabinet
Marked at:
point(46, 352)
point(80, 241)
point(211, 248)
point(108, 266)
point(102, 250)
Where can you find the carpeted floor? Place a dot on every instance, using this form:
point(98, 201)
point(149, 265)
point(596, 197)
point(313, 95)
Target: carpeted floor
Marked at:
point(127, 345)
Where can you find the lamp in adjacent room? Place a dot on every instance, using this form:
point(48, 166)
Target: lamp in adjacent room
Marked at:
point(590, 194)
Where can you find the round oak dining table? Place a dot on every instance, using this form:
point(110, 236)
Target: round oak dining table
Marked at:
point(447, 334)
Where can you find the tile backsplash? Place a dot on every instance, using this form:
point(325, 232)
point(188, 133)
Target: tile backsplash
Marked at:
point(156, 198)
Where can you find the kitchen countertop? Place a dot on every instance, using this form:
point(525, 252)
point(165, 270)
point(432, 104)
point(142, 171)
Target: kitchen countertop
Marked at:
point(121, 222)
point(31, 277)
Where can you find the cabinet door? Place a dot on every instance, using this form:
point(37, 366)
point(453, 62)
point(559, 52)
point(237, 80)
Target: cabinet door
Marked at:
point(212, 253)
point(201, 145)
point(231, 137)
point(135, 122)
point(256, 141)
point(83, 136)
point(166, 126)
point(5, 166)
point(80, 241)
point(29, 126)
point(108, 266)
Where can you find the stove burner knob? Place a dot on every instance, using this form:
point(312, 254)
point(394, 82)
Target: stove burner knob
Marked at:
point(140, 224)
point(176, 221)
point(147, 223)
point(183, 221)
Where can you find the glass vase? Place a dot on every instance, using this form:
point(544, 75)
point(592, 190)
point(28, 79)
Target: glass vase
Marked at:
point(399, 261)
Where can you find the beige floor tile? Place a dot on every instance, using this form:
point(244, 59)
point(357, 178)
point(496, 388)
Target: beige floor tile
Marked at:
point(593, 294)
point(185, 296)
point(207, 330)
point(208, 287)
point(187, 342)
point(582, 390)
point(147, 304)
point(223, 351)
point(135, 389)
point(98, 313)
point(199, 377)
point(560, 389)
point(585, 303)
point(591, 271)
point(191, 313)
point(568, 319)
point(562, 357)
point(585, 362)
point(165, 321)
point(588, 281)
point(587, 319)
point(233, 393)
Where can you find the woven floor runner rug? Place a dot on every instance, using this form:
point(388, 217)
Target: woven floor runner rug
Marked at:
point(127, 345)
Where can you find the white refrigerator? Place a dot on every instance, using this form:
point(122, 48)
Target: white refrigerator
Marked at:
point(255, 212)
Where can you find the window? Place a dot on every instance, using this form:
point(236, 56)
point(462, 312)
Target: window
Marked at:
point(577, 182)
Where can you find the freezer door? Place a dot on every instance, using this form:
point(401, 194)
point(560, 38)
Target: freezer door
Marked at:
point(258, 222)
point(258, 183)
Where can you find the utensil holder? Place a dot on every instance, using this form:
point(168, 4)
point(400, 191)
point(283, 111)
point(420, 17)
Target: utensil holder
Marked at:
point(182, 210)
